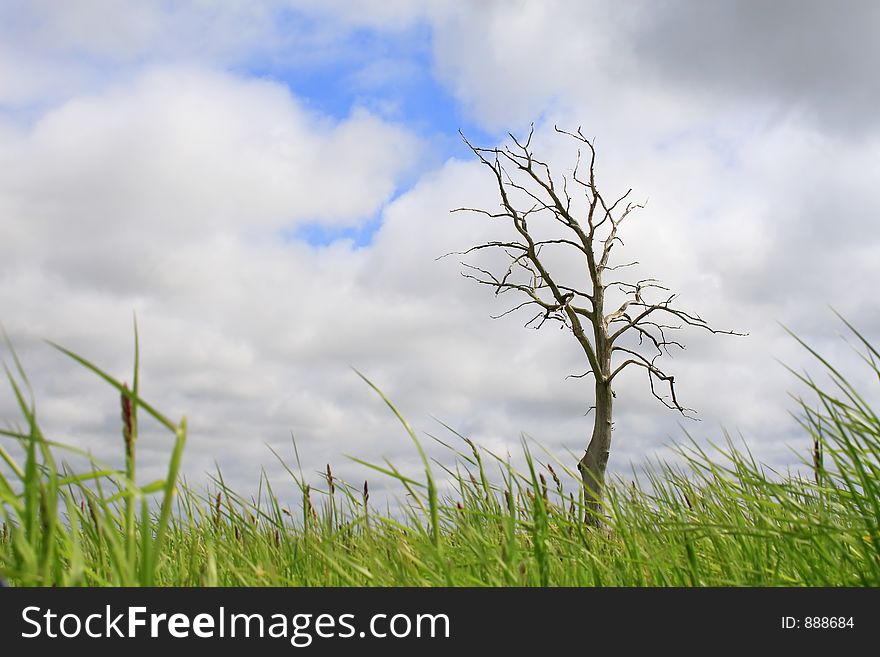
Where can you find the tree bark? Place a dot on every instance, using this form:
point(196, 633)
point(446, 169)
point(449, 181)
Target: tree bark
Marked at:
point(595, 460)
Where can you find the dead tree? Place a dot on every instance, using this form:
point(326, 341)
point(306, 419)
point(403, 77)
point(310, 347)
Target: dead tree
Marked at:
point(633, 329)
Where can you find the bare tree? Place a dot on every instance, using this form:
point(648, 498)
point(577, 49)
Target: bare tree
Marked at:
point(617, 323)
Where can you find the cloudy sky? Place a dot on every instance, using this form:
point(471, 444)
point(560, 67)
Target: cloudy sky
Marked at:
point(267, 185)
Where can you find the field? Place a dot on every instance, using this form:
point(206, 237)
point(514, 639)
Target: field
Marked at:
point(719, 520)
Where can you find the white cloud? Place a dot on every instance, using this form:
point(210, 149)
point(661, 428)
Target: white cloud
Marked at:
point(166, 196)
point(107, 189)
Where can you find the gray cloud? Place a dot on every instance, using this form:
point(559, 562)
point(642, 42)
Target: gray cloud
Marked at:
point(810, 57)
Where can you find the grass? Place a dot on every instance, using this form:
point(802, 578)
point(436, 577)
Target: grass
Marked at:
point(720, 520)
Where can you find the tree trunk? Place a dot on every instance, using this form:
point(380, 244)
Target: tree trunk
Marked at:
point(593, 463)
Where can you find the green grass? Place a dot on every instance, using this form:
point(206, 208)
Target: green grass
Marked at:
point(713, 520)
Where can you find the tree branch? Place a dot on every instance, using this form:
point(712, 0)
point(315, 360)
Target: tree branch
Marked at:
point(529, 194)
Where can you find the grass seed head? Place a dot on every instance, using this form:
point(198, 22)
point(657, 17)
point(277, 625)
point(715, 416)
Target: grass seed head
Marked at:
point(817, 460)
point(127, 422)
point(330, 484)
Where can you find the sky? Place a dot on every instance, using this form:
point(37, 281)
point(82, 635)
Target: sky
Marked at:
point(267, 186)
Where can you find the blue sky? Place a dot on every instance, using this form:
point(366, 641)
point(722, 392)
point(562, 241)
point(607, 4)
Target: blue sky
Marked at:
point(390, 74)
point(268, 186)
